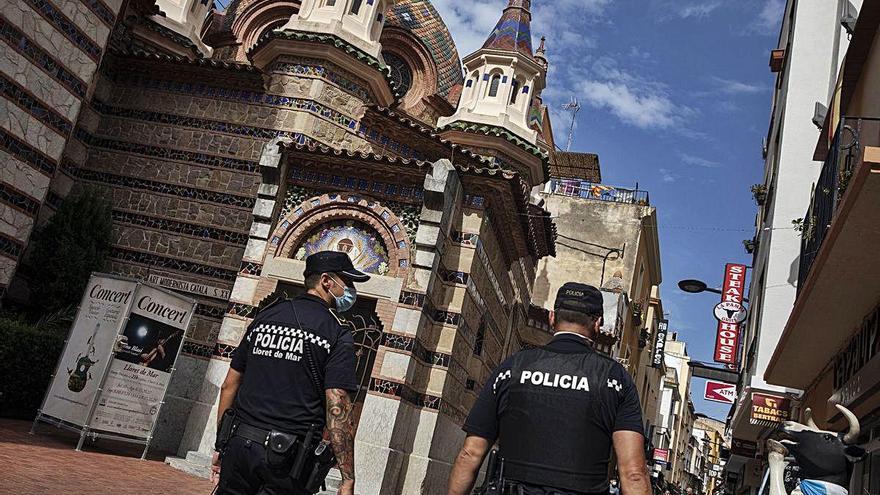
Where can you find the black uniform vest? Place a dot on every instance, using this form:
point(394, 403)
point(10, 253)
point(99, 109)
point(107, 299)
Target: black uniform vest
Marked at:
point(556, 428)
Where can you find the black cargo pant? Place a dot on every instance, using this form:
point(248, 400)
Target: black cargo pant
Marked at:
point(243, 471)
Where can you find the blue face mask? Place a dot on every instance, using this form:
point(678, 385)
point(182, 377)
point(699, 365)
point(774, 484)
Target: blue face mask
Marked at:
point(347, 299)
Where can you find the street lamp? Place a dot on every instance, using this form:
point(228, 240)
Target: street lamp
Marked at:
point(696, 286)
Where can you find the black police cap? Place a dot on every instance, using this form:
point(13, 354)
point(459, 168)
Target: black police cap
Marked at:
point(579, 297)
point(333, 262)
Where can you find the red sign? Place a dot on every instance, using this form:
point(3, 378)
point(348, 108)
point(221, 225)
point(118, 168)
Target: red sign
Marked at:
point(727, 338)
point(720, 392)
point(661, 455)
point(770, 409)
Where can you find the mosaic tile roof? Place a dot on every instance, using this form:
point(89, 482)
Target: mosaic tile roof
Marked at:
point(513, 31)
point(422, 19)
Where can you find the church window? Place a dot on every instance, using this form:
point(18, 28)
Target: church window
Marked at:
point(401, 74)
point(493, 86)
point(361, 242)
point(513, 91)
point(470, 82)
point(355, 7)
point(329, 3)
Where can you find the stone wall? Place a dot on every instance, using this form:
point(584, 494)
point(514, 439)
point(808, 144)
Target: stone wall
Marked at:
point(50, 52)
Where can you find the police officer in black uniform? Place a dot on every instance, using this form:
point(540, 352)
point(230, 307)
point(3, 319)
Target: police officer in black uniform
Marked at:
point(294, 368)
point(556, 411)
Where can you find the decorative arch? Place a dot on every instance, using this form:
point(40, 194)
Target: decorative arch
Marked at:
point(302, 221)
point(257, 17)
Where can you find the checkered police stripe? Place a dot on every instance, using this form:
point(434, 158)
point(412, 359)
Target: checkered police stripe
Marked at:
point(499, 378)
point(612, 383)
point(294, 332)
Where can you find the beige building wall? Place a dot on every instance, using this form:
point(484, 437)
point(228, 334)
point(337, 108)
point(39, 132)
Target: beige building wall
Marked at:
point(50, 52)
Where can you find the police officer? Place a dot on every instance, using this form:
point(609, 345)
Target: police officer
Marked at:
point(294, 368)
point(556, 411)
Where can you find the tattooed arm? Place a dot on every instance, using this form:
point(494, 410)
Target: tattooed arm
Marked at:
point(341, 429)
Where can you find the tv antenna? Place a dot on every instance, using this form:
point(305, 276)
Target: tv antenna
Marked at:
point(572, 106)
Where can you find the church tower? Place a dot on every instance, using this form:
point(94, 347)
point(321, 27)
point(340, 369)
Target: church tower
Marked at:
point(358, 22)
point(501, 80)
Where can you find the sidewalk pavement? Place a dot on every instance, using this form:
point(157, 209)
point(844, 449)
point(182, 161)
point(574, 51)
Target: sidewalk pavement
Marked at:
point(46, 463)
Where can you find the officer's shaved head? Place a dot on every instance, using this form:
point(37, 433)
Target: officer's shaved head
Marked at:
point(567, 317)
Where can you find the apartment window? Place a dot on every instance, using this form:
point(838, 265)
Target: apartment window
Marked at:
point(493, 86)
point(481, 336)
point(355, 7)
point(513, 91)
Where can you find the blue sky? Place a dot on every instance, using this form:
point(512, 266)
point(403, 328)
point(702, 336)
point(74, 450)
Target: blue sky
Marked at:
point(676, 97)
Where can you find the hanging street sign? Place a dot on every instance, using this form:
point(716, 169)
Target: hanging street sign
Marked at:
point(727, 337)
point(720, 392)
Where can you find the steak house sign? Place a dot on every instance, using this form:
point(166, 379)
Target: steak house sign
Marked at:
point(727, 338)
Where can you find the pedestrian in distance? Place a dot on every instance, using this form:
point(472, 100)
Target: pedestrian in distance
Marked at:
point(556, 411)
point(288, 382)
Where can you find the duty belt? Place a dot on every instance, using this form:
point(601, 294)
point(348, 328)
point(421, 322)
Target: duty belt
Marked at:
point(251, 433)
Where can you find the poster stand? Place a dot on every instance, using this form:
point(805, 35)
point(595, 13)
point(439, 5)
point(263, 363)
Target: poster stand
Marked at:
point(86, 430)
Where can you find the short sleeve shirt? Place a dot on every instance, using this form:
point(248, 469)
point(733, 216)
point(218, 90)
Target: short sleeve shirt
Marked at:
point(292, 352)
point(484, 418)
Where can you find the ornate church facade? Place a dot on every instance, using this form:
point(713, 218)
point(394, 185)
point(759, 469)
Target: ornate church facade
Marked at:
point(233, 144)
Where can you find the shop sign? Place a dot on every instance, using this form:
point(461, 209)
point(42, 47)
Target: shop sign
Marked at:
point(661, 455)
point(857, 368)
point(727, 336)
point(720, 392)
point(769, 409)
point(743, 448)
point(660, 344)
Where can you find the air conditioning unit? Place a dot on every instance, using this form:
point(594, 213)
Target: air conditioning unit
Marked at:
point(848, 18)
point(819, 113)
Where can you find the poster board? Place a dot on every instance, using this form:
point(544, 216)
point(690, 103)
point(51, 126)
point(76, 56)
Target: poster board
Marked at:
point(102, 311)
point(141, 367)
point(114, 371)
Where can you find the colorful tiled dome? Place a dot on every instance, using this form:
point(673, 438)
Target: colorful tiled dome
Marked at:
point(422, 19)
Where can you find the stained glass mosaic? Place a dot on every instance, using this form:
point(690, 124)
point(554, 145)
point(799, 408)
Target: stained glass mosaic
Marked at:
point(362, 244)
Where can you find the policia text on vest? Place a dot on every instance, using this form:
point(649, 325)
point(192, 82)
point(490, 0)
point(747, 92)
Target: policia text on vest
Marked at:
point(556, 412)
point(288, 386)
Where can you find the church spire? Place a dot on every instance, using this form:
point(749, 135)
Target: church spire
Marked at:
point(513, 31)
point(541, 54)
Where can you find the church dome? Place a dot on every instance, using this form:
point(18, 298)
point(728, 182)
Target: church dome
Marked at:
point(422, 20)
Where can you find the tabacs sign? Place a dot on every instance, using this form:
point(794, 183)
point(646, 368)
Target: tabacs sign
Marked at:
point(660, 344)
point(768, 410)
point(727, 337)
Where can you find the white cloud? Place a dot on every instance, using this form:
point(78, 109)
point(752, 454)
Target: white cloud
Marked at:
point(768, 18)
point(731, 87)
point(666, 175)
point(698, 10)
point(633, 99)
point(698, 161)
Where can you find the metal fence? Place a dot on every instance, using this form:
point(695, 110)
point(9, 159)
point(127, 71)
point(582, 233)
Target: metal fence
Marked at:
point(590, 190)
point(850, 138)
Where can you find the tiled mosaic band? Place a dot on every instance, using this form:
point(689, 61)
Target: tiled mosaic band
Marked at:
point(10, 247)
point(166, 225)
point(53, 200)
point(312, 176)
point(26, 153)
point(164, 153)
point(405, 393)
point(415, 299)
point(15, 198)
point(150, 259)
point(412, 345)
point(209, 311)
point(66, 27)
point(201, 350)
point(39, 57)
point(101, 10)
point(27, 101)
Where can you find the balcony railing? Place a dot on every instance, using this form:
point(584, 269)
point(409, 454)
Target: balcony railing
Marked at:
point(577, 188)
point(852, 135)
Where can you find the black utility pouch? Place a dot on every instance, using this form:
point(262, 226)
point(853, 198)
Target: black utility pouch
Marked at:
point(324, 460)
point(281, 450)
point(224, 432)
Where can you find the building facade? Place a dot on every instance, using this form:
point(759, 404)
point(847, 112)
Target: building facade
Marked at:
point(810, 49)
point(829, 347)
point(673, 434)
point(233, 144)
